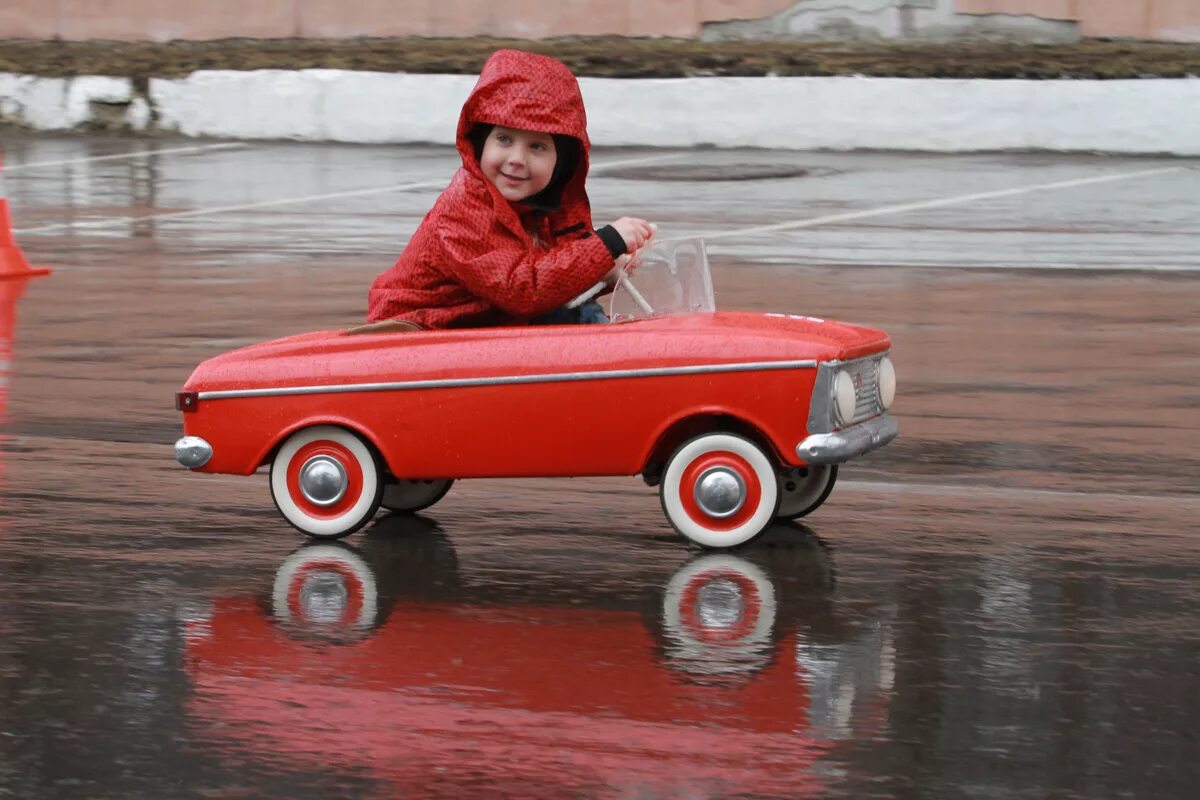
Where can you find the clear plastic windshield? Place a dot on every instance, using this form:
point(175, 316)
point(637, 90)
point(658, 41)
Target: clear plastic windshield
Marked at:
point(673, 278)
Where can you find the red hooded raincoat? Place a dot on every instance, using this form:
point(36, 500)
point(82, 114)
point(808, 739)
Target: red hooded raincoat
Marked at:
point(471, 261)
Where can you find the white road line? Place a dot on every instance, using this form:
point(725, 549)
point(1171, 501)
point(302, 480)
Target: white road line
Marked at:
point(201, 212)
point(137, 154)
point(964, 490)
point(939, 203)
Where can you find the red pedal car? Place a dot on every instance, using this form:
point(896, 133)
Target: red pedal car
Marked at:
point(739, 418)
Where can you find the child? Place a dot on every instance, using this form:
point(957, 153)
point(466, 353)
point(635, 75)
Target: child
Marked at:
point(510, 240)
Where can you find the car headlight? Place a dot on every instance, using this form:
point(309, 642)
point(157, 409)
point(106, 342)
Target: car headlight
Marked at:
point(887, 383)
point(844, 399)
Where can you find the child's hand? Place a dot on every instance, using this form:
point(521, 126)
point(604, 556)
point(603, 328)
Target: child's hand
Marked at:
point(623, 267)
point(636, 232)
point(632, 260)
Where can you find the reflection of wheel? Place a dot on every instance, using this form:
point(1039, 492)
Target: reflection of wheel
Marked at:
point(413, 495)
point(325, 590)
point(325, 481)
point(719, 490)
point(718, 613)
point(802, 492)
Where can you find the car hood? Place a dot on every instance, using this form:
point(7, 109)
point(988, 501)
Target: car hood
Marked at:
point(332, 357)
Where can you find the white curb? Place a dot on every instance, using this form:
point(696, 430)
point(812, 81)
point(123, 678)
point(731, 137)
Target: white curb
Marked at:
point(1152, 116)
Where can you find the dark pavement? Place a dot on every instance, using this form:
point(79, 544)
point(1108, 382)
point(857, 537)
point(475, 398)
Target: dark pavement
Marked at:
point(1002, 603)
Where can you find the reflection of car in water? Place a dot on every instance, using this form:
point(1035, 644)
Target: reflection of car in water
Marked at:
point(386, 659)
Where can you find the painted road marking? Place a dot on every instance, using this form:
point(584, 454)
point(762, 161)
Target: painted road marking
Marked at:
point(1007, 492)
point(938, 203)
point(109, 222)
point(136, 154)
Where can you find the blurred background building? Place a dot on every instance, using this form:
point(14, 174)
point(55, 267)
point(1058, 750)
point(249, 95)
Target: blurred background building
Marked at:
point(856, 20)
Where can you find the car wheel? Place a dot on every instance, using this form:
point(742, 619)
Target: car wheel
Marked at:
point(325, 481)
point(413, 495)
point(719, 490)
point(801, 494)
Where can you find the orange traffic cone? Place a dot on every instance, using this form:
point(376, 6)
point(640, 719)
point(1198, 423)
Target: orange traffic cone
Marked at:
point(12, 260)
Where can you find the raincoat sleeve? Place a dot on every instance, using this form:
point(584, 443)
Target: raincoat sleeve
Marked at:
point(522, 281)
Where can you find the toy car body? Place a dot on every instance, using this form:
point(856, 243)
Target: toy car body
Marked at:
point(741, 418)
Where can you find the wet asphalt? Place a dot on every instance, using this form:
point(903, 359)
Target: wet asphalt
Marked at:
point(1002, 603)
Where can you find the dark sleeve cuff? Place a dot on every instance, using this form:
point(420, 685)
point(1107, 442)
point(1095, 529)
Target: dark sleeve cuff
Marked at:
point(612, 240)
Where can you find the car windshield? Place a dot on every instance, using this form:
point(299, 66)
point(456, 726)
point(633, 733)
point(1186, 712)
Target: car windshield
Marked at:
point(673, 278)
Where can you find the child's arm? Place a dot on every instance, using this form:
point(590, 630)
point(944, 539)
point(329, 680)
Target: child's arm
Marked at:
point(526, 282)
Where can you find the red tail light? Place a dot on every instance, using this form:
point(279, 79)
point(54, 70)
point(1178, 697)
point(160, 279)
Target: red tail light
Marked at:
point(187, 401)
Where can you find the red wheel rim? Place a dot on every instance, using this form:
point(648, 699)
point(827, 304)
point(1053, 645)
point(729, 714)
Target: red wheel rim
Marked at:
point(354, 478)
point(354, 591)
point(733, 462)
point(690, 601)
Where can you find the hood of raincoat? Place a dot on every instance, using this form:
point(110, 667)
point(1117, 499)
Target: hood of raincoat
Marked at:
point(477, 259)
point(534, 93)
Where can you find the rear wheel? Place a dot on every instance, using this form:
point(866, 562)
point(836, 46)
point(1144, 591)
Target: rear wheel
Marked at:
point(802, 491)
point(325, 481)
point(719, 490)
point(410, 496)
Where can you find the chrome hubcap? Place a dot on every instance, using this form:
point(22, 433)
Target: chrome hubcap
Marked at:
point(720, 492)
point(323, 480)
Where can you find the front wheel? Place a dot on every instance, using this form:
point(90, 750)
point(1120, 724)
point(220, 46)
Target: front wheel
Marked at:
point(719, 490)
point(325, 481)
point(803, 491)
point(411, 496)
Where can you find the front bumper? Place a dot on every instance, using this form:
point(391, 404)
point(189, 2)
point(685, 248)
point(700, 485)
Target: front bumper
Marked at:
point(843, 445)
point(193, 452)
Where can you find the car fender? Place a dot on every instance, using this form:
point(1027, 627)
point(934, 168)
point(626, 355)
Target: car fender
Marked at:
point(267, 454)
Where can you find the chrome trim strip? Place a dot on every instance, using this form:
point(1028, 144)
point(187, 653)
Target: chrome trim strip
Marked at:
point(557, 377)
point(192, 451)
point(834, 448)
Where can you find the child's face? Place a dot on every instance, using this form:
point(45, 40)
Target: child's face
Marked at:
point(518, 163)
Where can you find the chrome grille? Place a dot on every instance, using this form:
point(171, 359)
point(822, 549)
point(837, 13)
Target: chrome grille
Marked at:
point(865, 374)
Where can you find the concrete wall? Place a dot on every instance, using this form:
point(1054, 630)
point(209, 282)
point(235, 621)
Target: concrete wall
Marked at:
point(1168, 20)
point(871, 20)
point(1025, 20)
point(163, 20)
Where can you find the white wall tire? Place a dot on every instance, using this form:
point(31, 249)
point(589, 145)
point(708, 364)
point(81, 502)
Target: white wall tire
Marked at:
point(736, 459)
point(799, 495)
point(718, 614)
point(326, 591)
point(361, 486)
point(409, 496)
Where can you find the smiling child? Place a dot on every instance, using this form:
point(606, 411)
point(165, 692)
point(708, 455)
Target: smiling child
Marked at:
point(510, 240)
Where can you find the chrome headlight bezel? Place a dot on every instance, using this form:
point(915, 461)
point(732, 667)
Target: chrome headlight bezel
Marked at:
point(885, 384)
point(843, 399)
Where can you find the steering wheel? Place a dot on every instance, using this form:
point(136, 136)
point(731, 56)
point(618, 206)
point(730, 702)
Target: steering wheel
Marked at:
point(615, 277)
point(621, 279)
